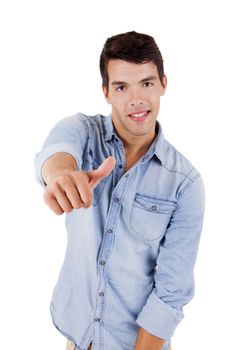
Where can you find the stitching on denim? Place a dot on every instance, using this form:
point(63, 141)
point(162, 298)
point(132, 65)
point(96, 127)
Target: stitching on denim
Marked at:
point(189, 184)
point(178, 172)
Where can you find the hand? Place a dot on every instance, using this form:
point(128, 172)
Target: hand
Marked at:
point(148, 341)
point(73, 189)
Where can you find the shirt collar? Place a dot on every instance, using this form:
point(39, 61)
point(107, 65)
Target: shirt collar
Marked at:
point(156, 148)
point(108, 128)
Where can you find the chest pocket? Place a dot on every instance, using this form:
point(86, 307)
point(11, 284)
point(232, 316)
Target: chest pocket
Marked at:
point(150, 216)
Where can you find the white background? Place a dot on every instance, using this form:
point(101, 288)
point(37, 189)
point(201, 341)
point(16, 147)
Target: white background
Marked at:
point(49, 70)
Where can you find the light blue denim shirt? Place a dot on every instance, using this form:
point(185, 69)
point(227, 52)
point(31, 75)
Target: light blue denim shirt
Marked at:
point(130, 257)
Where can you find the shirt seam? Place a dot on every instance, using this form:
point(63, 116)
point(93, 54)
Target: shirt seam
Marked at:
point(189, 184)
point(179, 172)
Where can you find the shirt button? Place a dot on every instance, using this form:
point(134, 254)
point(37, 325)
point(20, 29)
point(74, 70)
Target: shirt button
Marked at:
point(101, 294)
point(120, 166)
point(102, 262)
point(116, 199)
point(109, 231)
point(126, 175)
point(97, 319)
point(154, 208)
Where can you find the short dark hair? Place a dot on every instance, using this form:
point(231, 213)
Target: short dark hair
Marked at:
point(132, 47)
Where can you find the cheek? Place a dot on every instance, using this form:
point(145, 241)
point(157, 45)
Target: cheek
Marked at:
point(120, 102)
point(155, 100)
point(154, 95)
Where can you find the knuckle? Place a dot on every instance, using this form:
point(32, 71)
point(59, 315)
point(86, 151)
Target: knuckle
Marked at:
point(68, 209)
point(80, 177)
point(78, 173)
point(58, 212)
point(89, 198)
point(63, 181)
point(75, 205)
point(78, 205)
point(51, 189)
point(88, 204)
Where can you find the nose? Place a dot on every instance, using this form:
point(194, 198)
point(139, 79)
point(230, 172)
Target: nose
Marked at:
point(135, 103)
point(135, 99)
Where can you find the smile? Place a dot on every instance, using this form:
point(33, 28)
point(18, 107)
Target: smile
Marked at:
point(140, 116)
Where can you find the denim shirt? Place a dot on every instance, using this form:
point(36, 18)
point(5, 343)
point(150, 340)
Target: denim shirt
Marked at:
point(130, 257)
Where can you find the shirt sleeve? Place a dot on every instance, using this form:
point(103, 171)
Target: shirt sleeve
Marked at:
point(69, 135)
point(174, 276)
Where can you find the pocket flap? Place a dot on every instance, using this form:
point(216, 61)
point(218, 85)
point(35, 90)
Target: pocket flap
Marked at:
point(154, 205)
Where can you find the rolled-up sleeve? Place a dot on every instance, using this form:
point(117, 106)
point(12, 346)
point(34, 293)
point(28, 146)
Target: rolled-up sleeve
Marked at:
point(69, 135)
point(174, 276)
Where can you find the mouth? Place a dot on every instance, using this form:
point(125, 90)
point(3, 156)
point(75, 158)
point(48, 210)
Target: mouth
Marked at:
point(139, 116)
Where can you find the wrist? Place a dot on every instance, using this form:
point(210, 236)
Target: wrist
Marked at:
point(58, 164)
point(148, 341)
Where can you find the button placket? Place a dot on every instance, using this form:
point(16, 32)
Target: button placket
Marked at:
point(106, 247)
point(120, 159)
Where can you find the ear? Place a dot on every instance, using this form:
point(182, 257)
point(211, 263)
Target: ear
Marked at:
point(164, 85)
point(106, 94)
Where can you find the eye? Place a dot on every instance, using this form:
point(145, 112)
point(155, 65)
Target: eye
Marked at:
point(120, 88)
point(148, 84)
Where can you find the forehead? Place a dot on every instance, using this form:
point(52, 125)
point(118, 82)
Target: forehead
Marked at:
point(120, 70)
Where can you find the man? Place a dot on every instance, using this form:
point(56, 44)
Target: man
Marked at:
point(134, 210)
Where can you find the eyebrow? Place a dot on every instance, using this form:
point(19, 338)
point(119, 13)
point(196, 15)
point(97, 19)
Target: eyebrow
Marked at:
point(152, 77)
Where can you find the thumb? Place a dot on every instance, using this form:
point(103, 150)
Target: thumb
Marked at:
point(104, 170)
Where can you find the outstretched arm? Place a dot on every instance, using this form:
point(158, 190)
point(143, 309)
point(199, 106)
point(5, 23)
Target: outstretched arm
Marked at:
point(68, 188)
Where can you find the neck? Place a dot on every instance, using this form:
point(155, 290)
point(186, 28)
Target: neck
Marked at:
point(136, 145)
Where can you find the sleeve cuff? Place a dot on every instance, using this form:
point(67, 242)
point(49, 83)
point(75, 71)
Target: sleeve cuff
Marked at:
point(49, 151)
point(159, 318)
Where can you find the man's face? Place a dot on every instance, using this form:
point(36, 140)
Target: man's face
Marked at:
point(134, 93)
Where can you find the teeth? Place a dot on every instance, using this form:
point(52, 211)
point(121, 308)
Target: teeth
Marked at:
point(138, 115)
